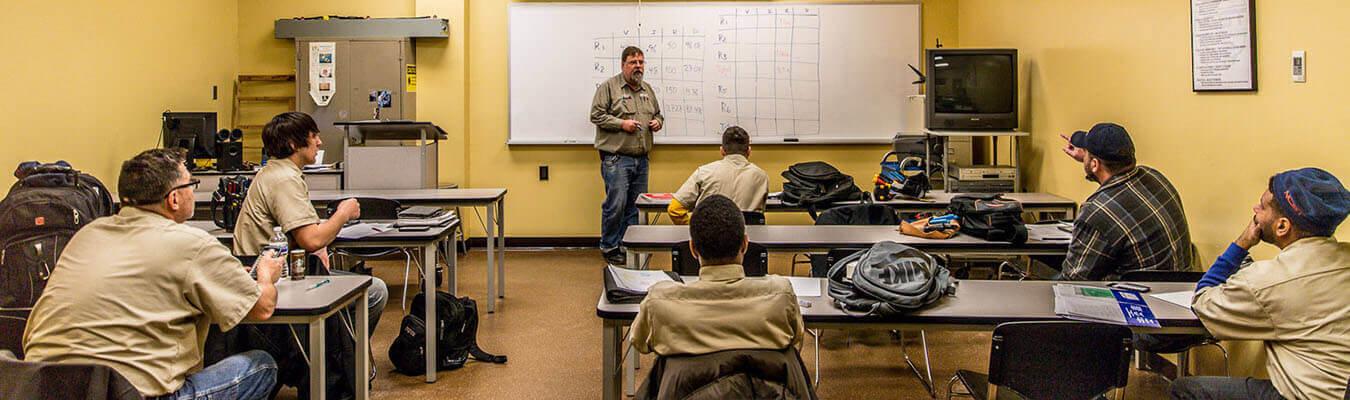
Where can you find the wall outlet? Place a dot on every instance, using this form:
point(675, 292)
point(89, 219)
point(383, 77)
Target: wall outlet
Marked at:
point(543, 172)
point(214, 92)
point(1300, 66)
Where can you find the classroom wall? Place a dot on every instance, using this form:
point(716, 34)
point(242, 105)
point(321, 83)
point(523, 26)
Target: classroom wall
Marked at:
point(86, 81)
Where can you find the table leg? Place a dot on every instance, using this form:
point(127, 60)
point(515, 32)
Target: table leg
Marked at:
point(452, 262)
point(609, 362)
point(362, 346)
point(629, 368)
point(491, 257)
point(501, 258)
point(429, 290)
point(633, 258)
point(317, 379)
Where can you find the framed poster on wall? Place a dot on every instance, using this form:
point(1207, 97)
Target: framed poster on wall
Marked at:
point(1223, 45)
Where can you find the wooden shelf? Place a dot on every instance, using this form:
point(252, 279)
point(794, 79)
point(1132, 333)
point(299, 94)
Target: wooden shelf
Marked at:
point(267, 98)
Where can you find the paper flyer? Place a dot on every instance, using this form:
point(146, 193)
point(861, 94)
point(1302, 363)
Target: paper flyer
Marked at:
point(1086, 303)
point(322, 69)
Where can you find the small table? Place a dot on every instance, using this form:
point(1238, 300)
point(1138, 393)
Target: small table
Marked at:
point(299, 302)
point(979, 305)
point(1031, 202)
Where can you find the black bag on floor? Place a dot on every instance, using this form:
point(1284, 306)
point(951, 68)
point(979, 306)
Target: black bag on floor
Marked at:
point(37, 218)
point(888, 279)
point(815, 185)
point(990, 217)
point(456, 331)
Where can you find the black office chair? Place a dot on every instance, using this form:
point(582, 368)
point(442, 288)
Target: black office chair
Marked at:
point(757, 374)
point(46, 380)
point(375, 208)
point(1172, 343)
point(756, 262)
point(753, 217)
point(1052, 360)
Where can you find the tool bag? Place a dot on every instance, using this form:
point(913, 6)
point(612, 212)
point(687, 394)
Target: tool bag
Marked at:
point(990, 217)
point(37, 218)
point(902, 177)
point(815, 184)
point(228, 199)
point(456, 336)
point(888, 279)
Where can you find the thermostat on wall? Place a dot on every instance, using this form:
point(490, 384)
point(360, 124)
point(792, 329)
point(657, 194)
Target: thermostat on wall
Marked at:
point(1300, 67)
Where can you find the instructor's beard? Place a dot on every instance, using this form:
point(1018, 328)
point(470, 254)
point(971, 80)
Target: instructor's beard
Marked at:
point(635, 79)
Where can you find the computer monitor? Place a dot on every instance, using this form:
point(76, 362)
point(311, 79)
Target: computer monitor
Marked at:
point(194, 131)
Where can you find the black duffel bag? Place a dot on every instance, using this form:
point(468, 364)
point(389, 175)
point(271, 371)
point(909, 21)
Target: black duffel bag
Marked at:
point(990, 217)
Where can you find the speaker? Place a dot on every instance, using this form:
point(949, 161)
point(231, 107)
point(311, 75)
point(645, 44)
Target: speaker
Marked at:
point(229, 156)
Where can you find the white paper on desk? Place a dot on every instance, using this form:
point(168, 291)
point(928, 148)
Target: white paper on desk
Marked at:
point(805, 287)
point(439, 220)
point(1182, 298)
point(1069, 303)
point(637, 281)
point(363, 229)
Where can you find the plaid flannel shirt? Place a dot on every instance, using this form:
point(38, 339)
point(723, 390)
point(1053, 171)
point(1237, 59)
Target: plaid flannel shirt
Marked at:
point(1133, 222)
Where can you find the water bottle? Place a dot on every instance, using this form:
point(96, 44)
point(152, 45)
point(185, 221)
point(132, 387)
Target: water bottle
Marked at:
point(280, 248)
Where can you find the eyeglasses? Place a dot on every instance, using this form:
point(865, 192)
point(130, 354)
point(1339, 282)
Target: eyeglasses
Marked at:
point(191, 183)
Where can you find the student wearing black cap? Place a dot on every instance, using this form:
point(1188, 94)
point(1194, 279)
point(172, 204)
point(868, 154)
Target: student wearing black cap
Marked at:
point(1134, 221)
point(1296, 302)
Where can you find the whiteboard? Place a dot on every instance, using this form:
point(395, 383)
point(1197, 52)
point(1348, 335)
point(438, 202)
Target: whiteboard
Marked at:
point(786, 72)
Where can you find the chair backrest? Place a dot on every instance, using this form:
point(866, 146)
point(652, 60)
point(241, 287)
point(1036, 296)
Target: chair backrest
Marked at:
point(683, 262)
point(371, 207)
point(1161, 276)
point(1060, 359)
point(760, 374)
point(41, 380)
point(753, 217)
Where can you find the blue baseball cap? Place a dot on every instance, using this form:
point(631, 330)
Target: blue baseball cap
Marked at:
point(1312, 198)
point(1106, 141)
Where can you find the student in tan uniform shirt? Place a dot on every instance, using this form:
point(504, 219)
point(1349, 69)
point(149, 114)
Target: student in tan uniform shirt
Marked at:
point(137, 290)
point(733, 176)
point(723, 310)
point(1296, 303)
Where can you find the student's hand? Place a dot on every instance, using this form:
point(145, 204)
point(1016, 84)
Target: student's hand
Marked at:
point(269, 266)
point(629, 125)
point(1073, 151)
point(1250, 237)
point(349, 208)
point(655, 125)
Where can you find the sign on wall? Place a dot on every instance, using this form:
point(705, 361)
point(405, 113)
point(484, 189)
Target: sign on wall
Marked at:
point(1223, 48)
point(322, 68)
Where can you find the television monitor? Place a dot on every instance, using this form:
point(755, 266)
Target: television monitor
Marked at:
point(971, 89)
point(194, 131)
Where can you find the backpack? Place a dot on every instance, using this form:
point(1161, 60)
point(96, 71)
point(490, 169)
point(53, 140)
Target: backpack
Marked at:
point(990, 217)
point(227, 200)
point(888, 279)
point(815, 184)
point(456, 331)
point(38, 217)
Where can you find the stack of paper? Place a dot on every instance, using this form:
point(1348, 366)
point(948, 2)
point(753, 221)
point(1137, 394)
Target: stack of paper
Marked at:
point(364, 229)
point(637, 281)
point(440, 220)
point(1094, 304)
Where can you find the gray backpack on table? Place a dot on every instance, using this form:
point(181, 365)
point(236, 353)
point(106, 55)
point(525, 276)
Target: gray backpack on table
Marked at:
point(888, 279)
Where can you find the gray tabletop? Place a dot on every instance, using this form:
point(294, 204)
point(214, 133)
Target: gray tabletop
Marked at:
point(297, 298)
point(404, 196)
point(392, 237)
point(939, 200)
point(977, 302)
point(789, 237)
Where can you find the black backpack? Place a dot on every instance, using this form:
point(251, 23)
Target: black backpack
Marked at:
point(814, 184)
point(457, 336)
point(38, 217)
point(853, 214)
point(990, 217)
point(888, 279)
point(227, 200)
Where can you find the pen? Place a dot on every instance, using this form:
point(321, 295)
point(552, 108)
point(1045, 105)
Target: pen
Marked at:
point(317, 284)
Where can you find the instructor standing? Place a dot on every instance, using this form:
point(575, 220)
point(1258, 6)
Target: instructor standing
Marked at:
point(625, 114)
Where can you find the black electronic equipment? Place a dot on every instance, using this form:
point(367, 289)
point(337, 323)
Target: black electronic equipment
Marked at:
point(223, 135)
point(971, 89)
point(236, 134)
point(229, 156)
point(194, 131)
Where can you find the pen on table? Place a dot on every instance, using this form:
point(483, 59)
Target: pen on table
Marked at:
point(317, 284)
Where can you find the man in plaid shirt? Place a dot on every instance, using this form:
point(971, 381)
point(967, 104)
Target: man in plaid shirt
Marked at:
point(1134, 221)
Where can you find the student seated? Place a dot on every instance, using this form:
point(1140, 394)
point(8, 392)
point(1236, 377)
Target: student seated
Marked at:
point(136, 292)
point(733, 176)
point(723, 310)
point(280, 197)
point(1296, 302)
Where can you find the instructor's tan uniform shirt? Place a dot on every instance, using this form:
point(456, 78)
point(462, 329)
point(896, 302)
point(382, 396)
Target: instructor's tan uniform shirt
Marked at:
point(723, 310)
point(616, 101)
point(136, 292)
point(732, 176)
point(277, 197)
point(1299, 305)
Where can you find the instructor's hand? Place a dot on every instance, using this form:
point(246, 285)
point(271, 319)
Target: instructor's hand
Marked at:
point(1250, 237)
point(1073, 151)
point(629, 125)
point(655, 125)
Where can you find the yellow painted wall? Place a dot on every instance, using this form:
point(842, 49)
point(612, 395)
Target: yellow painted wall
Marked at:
point(1129, 62)
point(86, 81)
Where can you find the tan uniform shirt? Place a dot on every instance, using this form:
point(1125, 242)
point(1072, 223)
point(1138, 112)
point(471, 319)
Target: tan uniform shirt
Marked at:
point(277, 197)
point(723, 310)
point(616, 101)
point(1298, 304)
point(732, 176)
point(136, 292)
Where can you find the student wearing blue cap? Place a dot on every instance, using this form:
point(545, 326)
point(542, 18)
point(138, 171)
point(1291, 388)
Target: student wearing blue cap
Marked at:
point(1297, 302)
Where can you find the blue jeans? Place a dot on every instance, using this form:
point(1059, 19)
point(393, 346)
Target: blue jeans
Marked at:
point(1222, 387)
point(379, 295)
point(246, 376)
point(625, 178)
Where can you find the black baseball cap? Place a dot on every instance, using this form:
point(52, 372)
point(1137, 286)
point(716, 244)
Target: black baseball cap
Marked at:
point(1106, 141)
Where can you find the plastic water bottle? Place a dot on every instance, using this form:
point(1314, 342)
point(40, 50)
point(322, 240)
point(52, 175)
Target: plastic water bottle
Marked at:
point(280, 248)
